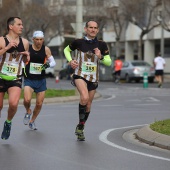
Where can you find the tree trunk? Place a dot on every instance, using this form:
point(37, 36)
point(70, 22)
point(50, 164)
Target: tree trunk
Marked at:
point(140, 47)
point(117, 47)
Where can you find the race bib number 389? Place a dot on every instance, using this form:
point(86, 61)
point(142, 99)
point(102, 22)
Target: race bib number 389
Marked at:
point(89, 68)
point(10, 69)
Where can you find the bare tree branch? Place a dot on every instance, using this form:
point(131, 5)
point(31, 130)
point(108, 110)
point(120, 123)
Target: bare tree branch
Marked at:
point(142, 14)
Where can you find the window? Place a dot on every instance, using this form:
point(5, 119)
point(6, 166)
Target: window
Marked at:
point(125, 64)
point(70, 2)
point(93, 2)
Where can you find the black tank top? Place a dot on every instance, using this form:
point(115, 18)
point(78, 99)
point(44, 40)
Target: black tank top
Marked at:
point(13, 55)
point(38, 57)
point(19, 48)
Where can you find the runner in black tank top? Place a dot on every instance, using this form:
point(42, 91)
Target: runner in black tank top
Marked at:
point(38, 57)
point(34, 77)
point(13, 55)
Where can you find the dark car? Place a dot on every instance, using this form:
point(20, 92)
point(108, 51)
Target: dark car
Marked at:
point(66, 72)
point(134, 70)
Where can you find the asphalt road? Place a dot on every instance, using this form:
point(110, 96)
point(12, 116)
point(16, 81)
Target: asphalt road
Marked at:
point(109, 132)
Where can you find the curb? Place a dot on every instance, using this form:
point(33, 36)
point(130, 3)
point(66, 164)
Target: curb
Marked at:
point(56, 99)
point(147, 135)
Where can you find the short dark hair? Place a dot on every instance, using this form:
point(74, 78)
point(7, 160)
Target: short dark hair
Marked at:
point(11, 21)
point(86, 25)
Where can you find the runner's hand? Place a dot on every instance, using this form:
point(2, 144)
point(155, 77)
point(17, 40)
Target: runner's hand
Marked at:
point(45, 66)
point(74, 64)
point(26, 56)
point(97, 53)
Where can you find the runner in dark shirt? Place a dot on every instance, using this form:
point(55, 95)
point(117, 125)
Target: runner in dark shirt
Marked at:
point(34, 77)
point(90, 52)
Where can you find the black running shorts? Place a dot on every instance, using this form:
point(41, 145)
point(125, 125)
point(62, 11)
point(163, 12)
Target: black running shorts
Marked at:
point(159, 72)
point(90, 85)
point(6, 84)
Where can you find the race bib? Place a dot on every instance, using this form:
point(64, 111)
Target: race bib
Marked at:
point(10, 69)
point(89, 68)
point(35, 68)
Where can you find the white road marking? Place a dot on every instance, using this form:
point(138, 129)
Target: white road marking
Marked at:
point(148, 99)
point(111, 105)
point(103, 138)
point(112, 97)
point(134, 100)
point(147, 104)
point(154, 99)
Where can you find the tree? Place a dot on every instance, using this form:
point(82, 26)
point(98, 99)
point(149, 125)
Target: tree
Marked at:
point(33, 17)
point(141, 13)
point(165, 14)
point(6, 11)
point(40, 19)
point(118, 20)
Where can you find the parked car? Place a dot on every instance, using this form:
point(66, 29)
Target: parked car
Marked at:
point(134, 70)
point(50, 72)
point(66, 72)
point(63, 73)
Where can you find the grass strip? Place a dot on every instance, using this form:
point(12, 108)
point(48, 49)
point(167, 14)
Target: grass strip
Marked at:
point(50, 93)
point(162, 126)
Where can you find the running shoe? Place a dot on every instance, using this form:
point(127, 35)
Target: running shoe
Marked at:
point(26, 118)
point(80, 132)
point(32, 126)
point(6, 131)
point(159, 85)
point(81, 137)
point(79, 129)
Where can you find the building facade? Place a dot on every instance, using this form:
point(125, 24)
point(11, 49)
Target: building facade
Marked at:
point(129, 39)
point(157, 40)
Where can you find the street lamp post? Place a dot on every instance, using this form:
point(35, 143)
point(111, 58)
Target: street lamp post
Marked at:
point(160, 19)
point(162, 40)
point(79, 18)
point(162, 32)
point(0, 3)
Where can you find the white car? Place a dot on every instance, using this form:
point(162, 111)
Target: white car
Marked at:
point(134, 70)
point(50, 72)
